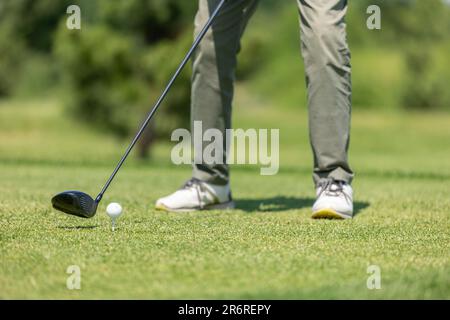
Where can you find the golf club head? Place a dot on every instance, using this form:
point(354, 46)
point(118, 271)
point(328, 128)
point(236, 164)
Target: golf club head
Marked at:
point(76, 203)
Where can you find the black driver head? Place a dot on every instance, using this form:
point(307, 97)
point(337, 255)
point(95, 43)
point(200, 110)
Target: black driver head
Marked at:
point(76, 203)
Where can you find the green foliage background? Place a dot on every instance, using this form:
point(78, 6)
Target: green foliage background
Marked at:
point(110, 72)
point(403, 65)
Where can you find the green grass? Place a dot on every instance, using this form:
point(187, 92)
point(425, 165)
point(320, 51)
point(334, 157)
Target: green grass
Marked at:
point(268, 248)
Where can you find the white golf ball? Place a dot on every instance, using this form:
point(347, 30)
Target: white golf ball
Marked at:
point(114, 210)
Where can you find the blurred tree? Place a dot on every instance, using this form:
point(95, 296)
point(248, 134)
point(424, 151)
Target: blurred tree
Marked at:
point(32, 22)
point(114, 67)
point(415, 36)
point(11, 56)
point(26, 27)
point(117, 65)
point(412, 20)
point(421, 31)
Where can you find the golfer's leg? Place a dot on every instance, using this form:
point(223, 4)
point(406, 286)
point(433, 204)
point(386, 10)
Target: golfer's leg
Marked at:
point(328, 72)
point(213, 76)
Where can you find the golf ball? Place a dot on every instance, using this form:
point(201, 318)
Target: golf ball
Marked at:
point(114, 209)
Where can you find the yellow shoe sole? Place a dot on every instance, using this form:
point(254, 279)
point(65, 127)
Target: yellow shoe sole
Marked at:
point(329, 214)
point(160, 207)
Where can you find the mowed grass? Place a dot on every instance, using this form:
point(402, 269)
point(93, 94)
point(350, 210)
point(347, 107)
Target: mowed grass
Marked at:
point(267, 248)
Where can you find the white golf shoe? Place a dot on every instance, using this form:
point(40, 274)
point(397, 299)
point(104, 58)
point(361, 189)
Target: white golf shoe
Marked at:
point(197, 195)
point(334, 200)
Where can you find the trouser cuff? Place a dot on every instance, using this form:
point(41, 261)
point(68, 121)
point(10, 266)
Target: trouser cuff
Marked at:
point(336, 174)
point(210, 175)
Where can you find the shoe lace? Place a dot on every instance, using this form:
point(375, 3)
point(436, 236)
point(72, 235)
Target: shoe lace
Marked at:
point(333, 188)
point(195, 184)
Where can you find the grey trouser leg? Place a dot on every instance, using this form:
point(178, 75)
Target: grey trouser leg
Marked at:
point(327, 65)
point(214, 73)
point(328, 74)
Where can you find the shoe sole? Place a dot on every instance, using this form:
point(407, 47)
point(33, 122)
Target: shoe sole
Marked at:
point(329, 214)
point(220, 206)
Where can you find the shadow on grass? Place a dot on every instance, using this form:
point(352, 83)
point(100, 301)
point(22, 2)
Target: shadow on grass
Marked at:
point(78, 227)
point(281, 203)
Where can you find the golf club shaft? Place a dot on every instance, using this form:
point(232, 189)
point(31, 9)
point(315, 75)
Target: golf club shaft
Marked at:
point(163, 95)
